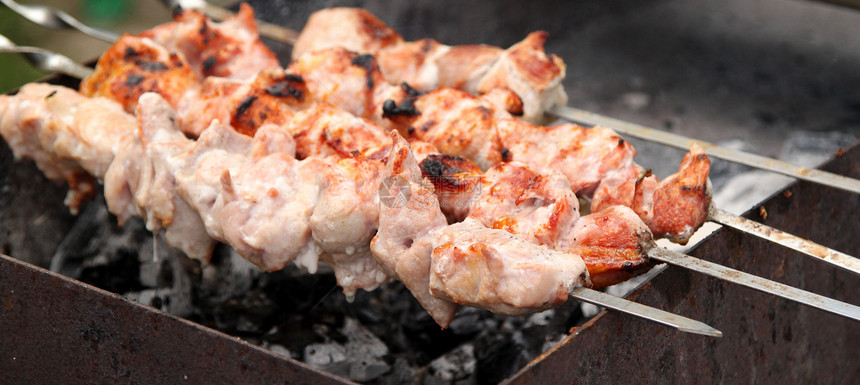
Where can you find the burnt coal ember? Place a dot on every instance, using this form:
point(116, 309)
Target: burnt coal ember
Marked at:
point(381, 337)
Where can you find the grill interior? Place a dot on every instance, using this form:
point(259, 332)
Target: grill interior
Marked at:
point(765, 77)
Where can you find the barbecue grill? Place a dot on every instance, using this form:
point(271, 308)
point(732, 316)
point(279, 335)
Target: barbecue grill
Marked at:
point(740, 77)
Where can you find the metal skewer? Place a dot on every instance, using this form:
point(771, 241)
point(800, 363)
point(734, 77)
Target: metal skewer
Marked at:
point(56, 19)
point(805, 246)
point(754, 282)
point(45, 60)
point(712, 269)
point(662, 317)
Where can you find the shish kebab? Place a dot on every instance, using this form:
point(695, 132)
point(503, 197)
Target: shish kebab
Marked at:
point(320, 76)
point(431, 62)
point(56, 19)
point(734, 273)
point(272, 208)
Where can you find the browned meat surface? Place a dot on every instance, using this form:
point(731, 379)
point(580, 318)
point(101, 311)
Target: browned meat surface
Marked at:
point(466, 263)
point(612, 243)
point(672, 207)
point(596, 161)
point(427, 65)
point(134, 65)
point(323, 130)
point(456, 182)
point(353, 28)
point(230, 49)
point(271, 97)
point(205, 70)
point(541, 208)
point(456, 124)
point(347, 80)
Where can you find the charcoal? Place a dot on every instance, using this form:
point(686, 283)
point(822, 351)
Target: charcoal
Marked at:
point(455, 367)
point(95, 241)
point(330, 357)
point(229, 275)
point(402, 373)
point(361, 358)
point(499, 355)
point(468, 322)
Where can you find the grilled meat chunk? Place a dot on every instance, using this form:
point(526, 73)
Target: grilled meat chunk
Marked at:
point(230, 49)
point(493, 269)
point(135, 65)
point(524, 68)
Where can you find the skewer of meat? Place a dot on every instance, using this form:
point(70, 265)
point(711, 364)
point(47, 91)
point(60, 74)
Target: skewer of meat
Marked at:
point(362, 41)
point(250, 193)
point(453, 121)
point(271, 208)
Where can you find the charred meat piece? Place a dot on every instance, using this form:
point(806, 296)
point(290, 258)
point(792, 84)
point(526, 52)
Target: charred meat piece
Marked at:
point(135, 65)
point(230, 49)
point(524, 68)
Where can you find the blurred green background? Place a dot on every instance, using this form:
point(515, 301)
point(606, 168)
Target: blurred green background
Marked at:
point(131, 16)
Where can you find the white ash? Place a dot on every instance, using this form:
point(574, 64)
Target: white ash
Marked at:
point(636, 101)
point(361, 358)
point(748, 187)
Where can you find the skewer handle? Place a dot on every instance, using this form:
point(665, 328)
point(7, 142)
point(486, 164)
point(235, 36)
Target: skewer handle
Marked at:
point(45, 60)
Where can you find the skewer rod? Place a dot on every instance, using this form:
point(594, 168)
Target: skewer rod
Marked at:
point(756, 283)
point(638, 131)
point(805, 246)
point(57, 19)
point(45, 60)
point(662, 317)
